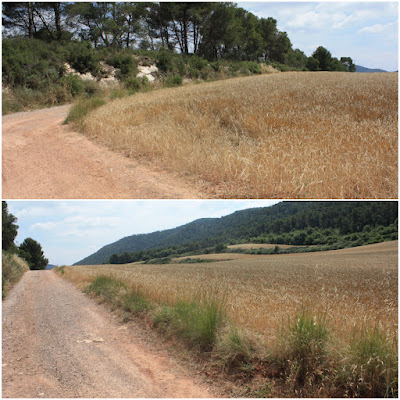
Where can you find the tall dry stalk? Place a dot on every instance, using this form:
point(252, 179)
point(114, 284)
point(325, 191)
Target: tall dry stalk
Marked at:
point(291, 135)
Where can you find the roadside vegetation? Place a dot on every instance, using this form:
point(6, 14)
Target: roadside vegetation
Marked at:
point(305, 325)
point(17, 260)
point(13, 267)
point(42, 42)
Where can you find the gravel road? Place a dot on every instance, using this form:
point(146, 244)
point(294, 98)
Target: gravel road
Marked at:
point(57, 342)
point(42, 159)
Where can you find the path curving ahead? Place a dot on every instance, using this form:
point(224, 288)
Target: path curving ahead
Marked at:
point(59, 343)
point(42, 159)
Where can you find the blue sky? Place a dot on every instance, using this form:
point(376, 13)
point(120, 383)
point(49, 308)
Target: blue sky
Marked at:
point(365, 31)
point(71, 230)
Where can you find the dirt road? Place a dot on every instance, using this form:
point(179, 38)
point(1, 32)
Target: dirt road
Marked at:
point(44, 160)
point(59, 343)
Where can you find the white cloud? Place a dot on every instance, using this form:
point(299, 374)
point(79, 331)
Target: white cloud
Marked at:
point(376, 29)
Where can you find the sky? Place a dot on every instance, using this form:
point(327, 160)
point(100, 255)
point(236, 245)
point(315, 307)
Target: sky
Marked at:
point(365, 31)
point(71, 230)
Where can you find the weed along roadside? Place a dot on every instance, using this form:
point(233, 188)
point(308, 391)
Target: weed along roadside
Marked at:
point(301, 361)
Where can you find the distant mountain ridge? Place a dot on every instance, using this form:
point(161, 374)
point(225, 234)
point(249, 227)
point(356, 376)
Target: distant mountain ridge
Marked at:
point(359, 68)
point(248, 223)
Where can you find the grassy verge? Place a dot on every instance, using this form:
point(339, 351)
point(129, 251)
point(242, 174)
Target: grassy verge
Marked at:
point(307, 360)
point(81, 108)
point(13, 267)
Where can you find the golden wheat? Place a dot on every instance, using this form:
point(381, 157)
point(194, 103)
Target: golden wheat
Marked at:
point(352, 286)
point(289, 135)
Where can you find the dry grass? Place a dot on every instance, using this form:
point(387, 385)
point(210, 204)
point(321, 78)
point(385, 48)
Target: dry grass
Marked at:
point(291, 135)
point(13, 267)
point(353, 287)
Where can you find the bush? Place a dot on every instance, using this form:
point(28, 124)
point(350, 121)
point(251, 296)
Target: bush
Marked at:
point(253, 67)
point(133, 84)
point(165, 62)
point(126, 64)
point(73, 84)
point(174, 80)
point(194, 73)
point(82, 57)
point(197, 63)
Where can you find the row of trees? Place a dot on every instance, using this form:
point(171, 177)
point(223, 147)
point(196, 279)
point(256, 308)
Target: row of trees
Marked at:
point(213, 30)
point(29, 249)
point(335, 224)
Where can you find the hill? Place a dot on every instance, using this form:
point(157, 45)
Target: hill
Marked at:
point(359, 68)
point(280, 219)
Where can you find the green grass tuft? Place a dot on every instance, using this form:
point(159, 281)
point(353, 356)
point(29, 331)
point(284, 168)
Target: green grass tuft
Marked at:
point(135, 302)
point(305, 341)
point(82, 108)
point(197, 321)
point(372, 368)
point(107, 287)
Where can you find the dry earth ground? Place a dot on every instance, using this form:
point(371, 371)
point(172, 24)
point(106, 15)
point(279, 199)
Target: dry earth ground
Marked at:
point(44, 160)
point(59, 343)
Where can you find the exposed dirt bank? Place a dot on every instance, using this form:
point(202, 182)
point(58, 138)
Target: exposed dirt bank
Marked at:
point(43, 159)
point(59, 343)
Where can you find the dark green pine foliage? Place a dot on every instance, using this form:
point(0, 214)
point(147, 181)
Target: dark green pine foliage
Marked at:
point(289, 222)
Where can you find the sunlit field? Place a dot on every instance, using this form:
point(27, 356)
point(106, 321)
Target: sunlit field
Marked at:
point(287, 135)
point(353, 287)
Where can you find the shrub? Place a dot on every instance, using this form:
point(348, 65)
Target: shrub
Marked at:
point(253, 67)
point(174, 80)
point(73, 84)
point(194, 73)
point(82, 57)
point(164, 61)
point(133, 84)
point(126, 64)
point(197, 62)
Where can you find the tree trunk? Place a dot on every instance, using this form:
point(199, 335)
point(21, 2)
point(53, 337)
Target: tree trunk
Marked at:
point(57, 15)
point(30, 18)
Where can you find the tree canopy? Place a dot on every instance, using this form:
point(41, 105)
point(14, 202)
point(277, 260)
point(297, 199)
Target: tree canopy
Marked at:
point(213, 30)
point(8, 227)
point(32, 252)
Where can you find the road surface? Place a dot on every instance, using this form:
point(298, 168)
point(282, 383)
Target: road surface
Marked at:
point(57, 342)
point(42, 159)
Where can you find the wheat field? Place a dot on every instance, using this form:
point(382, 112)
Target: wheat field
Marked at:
point(353, 287)
point(288, 135)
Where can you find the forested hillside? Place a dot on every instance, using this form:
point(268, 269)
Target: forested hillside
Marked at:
point(210, 40)
point(296, 223)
